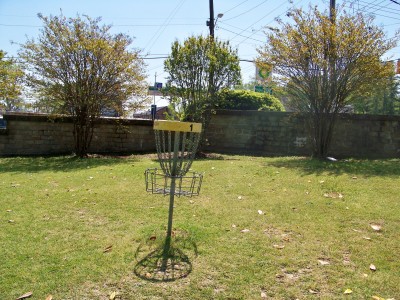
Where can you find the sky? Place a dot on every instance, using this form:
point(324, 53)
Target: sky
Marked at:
point(156, 24)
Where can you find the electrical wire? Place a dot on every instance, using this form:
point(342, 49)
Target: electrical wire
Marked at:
point(239, 34)
point(157, 25)
point(376, 14)
point(159, 32)
point(117, 25)
point(372, 5)
point(238, 28)
point(264, 18)
point(374, 8)
point(380, 7)
point(246, 11)
point(235, 6)
point(20, 25)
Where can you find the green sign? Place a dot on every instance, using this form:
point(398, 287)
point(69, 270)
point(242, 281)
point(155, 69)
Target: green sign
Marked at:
point(259, 89)
point(263, 72)
point(262, 89)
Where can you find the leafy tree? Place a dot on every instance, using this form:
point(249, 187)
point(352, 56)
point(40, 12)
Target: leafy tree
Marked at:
point(78, 67)
point(323, 60)
point(198, 69)
point(10, 83)
point(381, 99)
point(248, 100)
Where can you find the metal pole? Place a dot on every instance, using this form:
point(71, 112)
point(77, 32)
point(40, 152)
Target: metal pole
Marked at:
point(174, 172)
point(212, 18)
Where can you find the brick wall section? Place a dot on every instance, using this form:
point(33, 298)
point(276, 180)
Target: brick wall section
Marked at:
point(277, 133)
point(239, 132)
point(33, 134)
point(367, 136)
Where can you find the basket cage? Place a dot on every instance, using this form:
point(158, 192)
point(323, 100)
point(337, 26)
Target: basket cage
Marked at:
point(185, 145)
point(158, 183)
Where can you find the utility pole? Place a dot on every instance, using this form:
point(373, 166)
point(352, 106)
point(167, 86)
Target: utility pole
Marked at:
point(155, 86)
point(211, 22)
point(332, 10)
point(153, 110)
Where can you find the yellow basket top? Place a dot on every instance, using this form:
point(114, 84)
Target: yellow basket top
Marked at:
point(177, 126)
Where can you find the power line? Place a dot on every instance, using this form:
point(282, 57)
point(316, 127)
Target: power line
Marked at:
point(372, 5)
point(155, 25)
point(265, 17)
point(158, 33)
point(368, 6)
point(246, 11)
point(113, 17)
point(118, 25)
point(235, 7)
point(239, 28)
point(19, 60)
point(20, 25)
point(239, 34)
point(156, 57)
point(373, 8)
point(377, 14)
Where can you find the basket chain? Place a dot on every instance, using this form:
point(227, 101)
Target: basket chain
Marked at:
point(166, 143)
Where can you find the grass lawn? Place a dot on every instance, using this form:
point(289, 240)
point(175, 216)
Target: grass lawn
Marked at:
point(261, 228)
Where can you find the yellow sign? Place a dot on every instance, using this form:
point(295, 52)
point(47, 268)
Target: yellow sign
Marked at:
point(177, 126)
point(263, 72)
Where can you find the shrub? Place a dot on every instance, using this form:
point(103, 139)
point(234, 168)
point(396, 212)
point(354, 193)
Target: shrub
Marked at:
point(248, 100)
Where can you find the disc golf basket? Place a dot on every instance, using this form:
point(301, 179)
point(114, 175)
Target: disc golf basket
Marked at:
point(176, 144)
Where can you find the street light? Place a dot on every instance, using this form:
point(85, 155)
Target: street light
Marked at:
point(219, 16)
point(214, 23)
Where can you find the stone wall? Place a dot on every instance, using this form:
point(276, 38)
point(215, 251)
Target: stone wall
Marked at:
point(239, 132)
point(33, 134)
point(277, 133)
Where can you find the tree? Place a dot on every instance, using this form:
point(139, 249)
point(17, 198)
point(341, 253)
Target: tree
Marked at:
point(79, 68)
point(10, 83)
point(198, 69)
point(381, 99)
point(323, 60)
point(247, 100)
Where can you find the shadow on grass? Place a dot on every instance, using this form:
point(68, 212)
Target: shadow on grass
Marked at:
point(155, 266)
point(57, 163)
point(382, 167)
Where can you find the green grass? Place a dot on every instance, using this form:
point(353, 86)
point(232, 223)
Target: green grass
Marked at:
point(58, 216)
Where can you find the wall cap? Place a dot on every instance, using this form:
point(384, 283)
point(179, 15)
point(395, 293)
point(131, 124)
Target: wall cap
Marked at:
point(347, 116)
point(38, 117)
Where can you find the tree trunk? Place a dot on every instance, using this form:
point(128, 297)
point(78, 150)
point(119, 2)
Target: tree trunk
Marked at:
point(83, 133)
point(323, 125)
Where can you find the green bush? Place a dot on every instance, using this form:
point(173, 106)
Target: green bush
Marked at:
point(248, 100)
